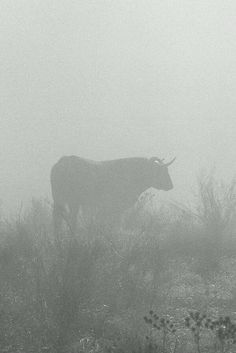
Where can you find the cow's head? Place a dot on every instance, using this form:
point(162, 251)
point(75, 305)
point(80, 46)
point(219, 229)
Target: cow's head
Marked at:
point(160, 175)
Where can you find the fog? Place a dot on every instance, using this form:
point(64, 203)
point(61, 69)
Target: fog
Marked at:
point(113, 79)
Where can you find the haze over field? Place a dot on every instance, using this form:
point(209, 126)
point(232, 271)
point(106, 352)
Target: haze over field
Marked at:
point(113, 79)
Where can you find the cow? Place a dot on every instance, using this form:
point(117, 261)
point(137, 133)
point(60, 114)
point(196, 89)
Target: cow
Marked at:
point(111, 186)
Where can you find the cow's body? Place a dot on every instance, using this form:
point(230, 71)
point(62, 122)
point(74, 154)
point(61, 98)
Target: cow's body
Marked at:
point(108, 186)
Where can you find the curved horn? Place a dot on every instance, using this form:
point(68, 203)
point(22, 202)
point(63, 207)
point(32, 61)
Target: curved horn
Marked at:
point(156, 159)
point(169, 163)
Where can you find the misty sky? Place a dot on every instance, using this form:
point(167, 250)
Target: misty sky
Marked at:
point(111, 79)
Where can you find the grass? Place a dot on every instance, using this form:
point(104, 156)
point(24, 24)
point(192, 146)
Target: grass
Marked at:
point(92, 295)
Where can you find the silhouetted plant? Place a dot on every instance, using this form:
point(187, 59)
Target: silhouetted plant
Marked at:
point(216, 211)
point(165, 325)
point(196, 322)
point(225, 332)
point(223, 328)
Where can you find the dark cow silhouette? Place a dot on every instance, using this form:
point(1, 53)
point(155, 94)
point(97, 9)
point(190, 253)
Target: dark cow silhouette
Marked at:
point(109, 187)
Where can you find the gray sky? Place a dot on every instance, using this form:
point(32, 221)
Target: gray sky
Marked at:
point(110, 79)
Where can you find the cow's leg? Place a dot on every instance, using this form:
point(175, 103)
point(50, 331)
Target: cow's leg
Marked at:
point(74, 209)
point(58, 211)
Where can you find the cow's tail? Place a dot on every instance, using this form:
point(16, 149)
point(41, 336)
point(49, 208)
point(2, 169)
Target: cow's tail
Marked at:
point(59, 208)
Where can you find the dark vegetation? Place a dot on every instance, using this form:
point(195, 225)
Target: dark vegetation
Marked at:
point(165, 282)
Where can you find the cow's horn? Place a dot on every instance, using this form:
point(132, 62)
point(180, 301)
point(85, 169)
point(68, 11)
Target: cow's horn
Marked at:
point(169, 163)
point(156, 159)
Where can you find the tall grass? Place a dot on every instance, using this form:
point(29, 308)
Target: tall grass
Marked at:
point(99, 285)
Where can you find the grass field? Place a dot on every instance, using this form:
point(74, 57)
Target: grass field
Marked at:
point(164, 282)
